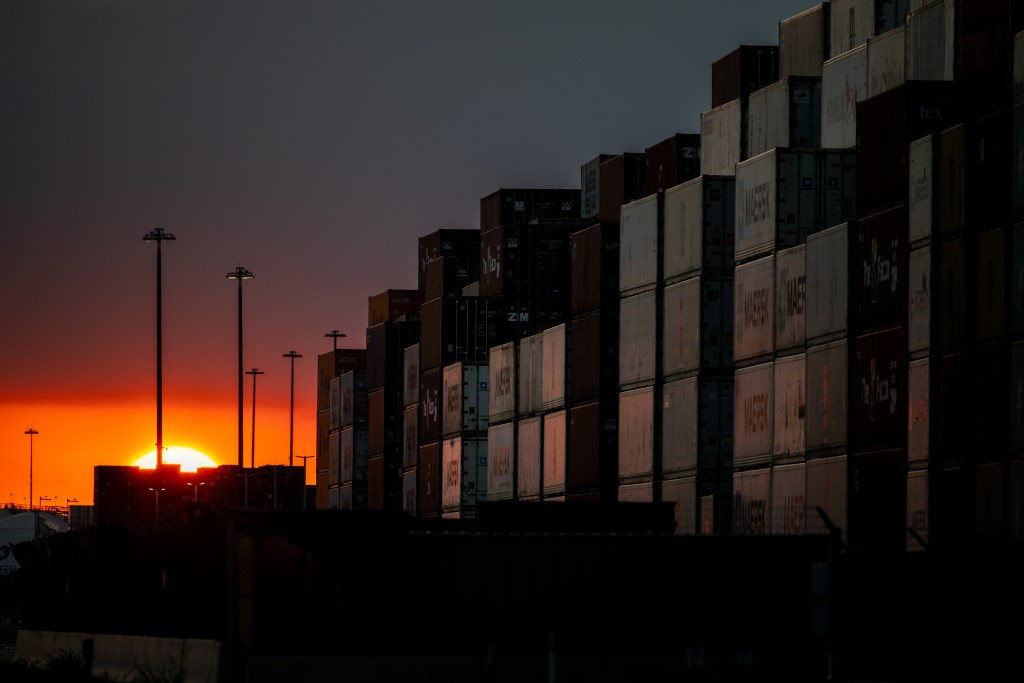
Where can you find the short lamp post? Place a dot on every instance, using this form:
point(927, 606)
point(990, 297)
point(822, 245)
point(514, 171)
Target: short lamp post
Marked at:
point(195, 488)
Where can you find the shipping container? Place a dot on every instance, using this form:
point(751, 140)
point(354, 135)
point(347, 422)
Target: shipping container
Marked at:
point(985, 30)
point(520, 262)
point(950, 178)
point(334, 408)
point(1016, 292)
point(682, 493)
point(502, 396)
point(464, 244)
point(752, 494)
point(852, 22)
point(1017, 397)
point(804, 41)
point(880, 262)
point(464, 475)
point(334, 364)
point(754, 310)
point(827, 410)
point(826, 496)
point(385, 423)
point(322, 441)
point(790, 298)
point(501, 461)
point(671, 161)
point(334, 499)
point(410, 435)
point(1015, 500)
point(989, 502)
point(354, 453)
point(410, 491)
point(639, 492)
point(355, 402)
point(430, 405)
point(828, 299)
point(447, 276)
point(920, 301)
point(385, 351)
point(1018, 68)
point(392, 304)
point(594, 356)
point(952, 409)
point(742, 71)
point(923, 195)
point(529, 452)
point(531, 374)
point(472, 289)
point(723, 138)
point(698, 320)
point(376, 484)
point(878, 414)
point(989, 390)
point(334, 459)
point(592, 459)
point(467, 400)
point(428, 484)
point(553, 361)
point(699, 227)
point(753, 415)
point(953, 327)
point(590, 186)
point(323, 500)
point(505, 207)
point(887, 64)
point(553, 464)
point(987, 159)
point(789, 499)
point(990, 304)
point(844, 83)
point(640, 243)
point(920, 420)
point(1017, 153)
point(622, 182)
point(789, 432)
point(463, 329)
point(930, 47)
point(697, 426)
point(917, 510)
point(636, 434)
point(638, 341)
point(411, 375)
point(594, 254)
point(878, 502)
point(785, 114)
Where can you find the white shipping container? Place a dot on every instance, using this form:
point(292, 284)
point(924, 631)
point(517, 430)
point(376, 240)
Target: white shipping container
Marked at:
point(919, 304)
point(752, 493)
point(827, 289)
point(463, 474)
point(699, 227)
point(531, 373)
point(754, 309)
point(789, 499)
point(682, 493)
point(852, 22)
point(696, 425)
point(502, 397)
point(779, 200)
point(334, 459)
point(930, 36)
point(753, 415)
point(529, 451)
point(639, 241)
point(827, 380)
point(555, 444)
point(917, 511)
point(786, 113)
point(636, 433)
point(803, 42)
point(411, 380)
point(640, 492)
point(722, 139)
point(334, 404)
point(844, 83)
point(918, 410)
point(826, 489)
point(637, 339)
point(790, 297)
point(501, 461)
point(410, 436)
point(554, 358)
point(466, 399)
point(921, 202)
point(698, 325)
point(887, 64)
point(790, 406)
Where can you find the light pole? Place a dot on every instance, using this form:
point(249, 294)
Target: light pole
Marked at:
point(240, 274)
point(157, 490)
point(31, 433)
point(291, 414)
point(335, 334)
point(159, 236)
point(304, 459)
point(195, 487)
point(252, 442)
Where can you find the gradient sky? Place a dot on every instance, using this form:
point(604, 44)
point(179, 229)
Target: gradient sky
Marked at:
point(310, 142)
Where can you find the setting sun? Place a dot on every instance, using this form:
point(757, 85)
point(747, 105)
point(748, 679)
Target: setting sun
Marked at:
point(189, 458)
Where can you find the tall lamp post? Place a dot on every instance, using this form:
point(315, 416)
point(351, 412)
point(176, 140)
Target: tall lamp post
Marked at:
point(335, 334)
point(240, 274)
point(291, 415)
point(31, 433)
point(252, 441)
point(304, 459)
point(159, 236)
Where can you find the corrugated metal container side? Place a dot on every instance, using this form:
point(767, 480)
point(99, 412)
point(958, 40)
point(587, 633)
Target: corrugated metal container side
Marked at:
point(950, 177)
point(985, 30)
point(472, 289)
point(828, 293)
point(987, 158)
point(930, 48)
point(461, 329)
point(878, 502)
point(1016, 293)
point(754, 310)
point(322, 440)
point(742, 71)
point(334, 458)
point(785, 114)
point(410, 435)
point(411, 375)
point(826, 489)
point(554, 456)
point(923, 195)
point(529, 451)
point(789, 499)
point(640, 492)
point(715, 503)
point(697, 426)
point(595, 268)
point(1017, 387)
point(428, 484)
point(991, 386)
point(789, 432)
point(594, 356)
point(638, 343)
point(1015, 477)
point(590, 186)
point(592, 459)
point(385, 421)
point(322, 495)
point(752, 495)
point(375, 484)
point(1018, 68)
point(753, 415)
point(334, 409)
point(430, 405)
point(334, 499)
point(699, 227)
point(844, 83)
point(355, 401)
point(698, 325)
point(521, 206)
point(952, 410)
point(887, 64)
point(682, 493)
point(334, 364)
point(392, 304)
point(636, 434)
point(879, 417)
point(640, 242)
point(990, 305)
point(462, 243)
point(467, 400)
point(501, 461)
point(1018, 153)
point(920, 302)
point(777, 201)
point(553, 362)
point(804, 40)
point(790, 298)
point(838, 189)
point(447, 276)
point(920, 421)
point(953, 326)
point(723, 138)
point(385, 351)
point(503, 384)
point(827, 416)
point(671, 161)
point(434, 314)
point(852, 22)
point(531, 374)
point(881, 261)
point(622, 182)
point(354, 453)
point(409, 491)
point(464, 475)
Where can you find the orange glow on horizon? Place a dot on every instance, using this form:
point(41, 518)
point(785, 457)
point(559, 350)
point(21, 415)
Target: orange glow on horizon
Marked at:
point(189, 458)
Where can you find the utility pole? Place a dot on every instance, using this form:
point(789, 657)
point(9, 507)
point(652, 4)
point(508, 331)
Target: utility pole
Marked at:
point(252, 443)
point(335, 334)
point(291, 415)
point(31, 433)
point(239, 274)
point(159, 236)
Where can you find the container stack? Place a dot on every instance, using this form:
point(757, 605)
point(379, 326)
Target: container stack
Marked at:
point(1015, 294)
point(502, 422)
point(353, 441)
point(670, 162)
point(330, 366)
point(464, 448)
point(410, 427)
point(529, 417)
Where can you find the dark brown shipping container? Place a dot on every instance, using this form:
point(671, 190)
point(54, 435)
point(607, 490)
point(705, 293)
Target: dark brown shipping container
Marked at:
point(461, 243)
point(385, 423)
point(878, 502)
point(951, 295)
point(375, 483)
point(949, 175)
point(463, 329)
point(804, 42)
point(592, 459)
point(522, 206)
point(594, 356)
point(594, 255)
point(431, 385)
point(879, 390)
point(742, 71)
point(953, 408)
point(984, 39)
point(879, 269)
point(385, 351)
point(334, 364)
point(990, 285)
point(446, 276)
point(392, 304)
point(991, 399)
point(428, 502)
point(525, 262)
point(670, 162)
point(951, 507)
point(622, 182)
point(989, 174)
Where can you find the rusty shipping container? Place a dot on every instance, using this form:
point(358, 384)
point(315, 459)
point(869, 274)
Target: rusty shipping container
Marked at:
point(636, 434)
point(411, 374)
point(385, 351)
point(355, 400)
point(920, 420)
point(594, 265)
point(392, 304)
point(844, 83)
point(501, 461)
point(789, 499)
point(826, 495)
point(594, 356)
point(790, 298)
point(463, 244)
point(827, 284)
point(789, 432)
point(742, 71)
point(590, 186)
point(553, 463)
point(877, 508)
point(428, 484)
point(878, 414)
point(334, 364)
point(752, 495)
point(638, 339)
point(827, 405)
point(754, 310)
point(922, 211)
point(622, 182)
point(431, 407)
point(553, 363)
point(785, 114)
point(671, 161)
point(591, 462)
point(880, 262)
point(699, 227)
point(466, 400)
point(804, 41)
point(640, 244)
point(753, 415)
point(723, 138)
point(514, 206)
point(529, 454)
point(697, 426)
point(698, 320)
